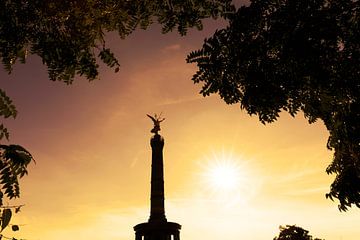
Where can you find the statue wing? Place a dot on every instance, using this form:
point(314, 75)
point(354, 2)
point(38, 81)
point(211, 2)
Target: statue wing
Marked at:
point(152, 118)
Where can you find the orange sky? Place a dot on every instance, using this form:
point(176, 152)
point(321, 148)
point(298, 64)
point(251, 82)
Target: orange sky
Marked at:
point(91, 144)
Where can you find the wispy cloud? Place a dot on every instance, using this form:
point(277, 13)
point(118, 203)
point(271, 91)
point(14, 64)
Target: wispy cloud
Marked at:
point(168, 102)
point(170, 48)
point(295, 176)
point(307, 191)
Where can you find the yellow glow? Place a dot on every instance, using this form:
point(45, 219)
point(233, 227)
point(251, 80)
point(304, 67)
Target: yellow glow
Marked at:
point(226, 179)
point(223, 175)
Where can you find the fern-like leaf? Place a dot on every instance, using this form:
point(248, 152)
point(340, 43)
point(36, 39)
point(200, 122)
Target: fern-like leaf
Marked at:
point(109, 58)
point(7, 108)
point(4, 132)
point(13, 165)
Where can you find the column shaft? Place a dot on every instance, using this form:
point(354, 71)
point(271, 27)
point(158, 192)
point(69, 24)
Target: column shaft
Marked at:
point(157, 209)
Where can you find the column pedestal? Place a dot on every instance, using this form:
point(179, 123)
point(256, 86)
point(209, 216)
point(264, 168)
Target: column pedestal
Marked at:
point(157, 231)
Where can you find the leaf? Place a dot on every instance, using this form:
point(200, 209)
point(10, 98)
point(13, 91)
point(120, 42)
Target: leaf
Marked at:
point(4, 132)
point(7, 108)
point(6, 217)
point(15, 228)
point(17, 154)
point(17, 209)
point(109, 58)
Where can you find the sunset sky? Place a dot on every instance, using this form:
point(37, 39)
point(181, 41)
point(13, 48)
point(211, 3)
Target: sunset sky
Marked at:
point(91, 145)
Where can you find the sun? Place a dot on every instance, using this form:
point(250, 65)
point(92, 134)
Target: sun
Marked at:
point(223, 172)
point(223, 175)
point(227, 178)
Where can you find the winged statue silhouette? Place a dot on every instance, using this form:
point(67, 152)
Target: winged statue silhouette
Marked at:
point(157, 119)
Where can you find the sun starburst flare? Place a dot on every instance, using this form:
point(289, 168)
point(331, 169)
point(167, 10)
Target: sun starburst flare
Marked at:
point(223, 176)
point(226, 177)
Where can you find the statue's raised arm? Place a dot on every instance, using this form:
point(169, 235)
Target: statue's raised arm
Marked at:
point(157, 119)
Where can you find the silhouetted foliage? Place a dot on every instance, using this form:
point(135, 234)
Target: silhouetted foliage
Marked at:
point(69, 35)
point(294, 56)
point(293, 232)
point(7, 109)
point(14, 160)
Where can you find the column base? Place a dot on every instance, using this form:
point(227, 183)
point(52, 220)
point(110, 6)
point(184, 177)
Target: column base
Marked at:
point(157, 231)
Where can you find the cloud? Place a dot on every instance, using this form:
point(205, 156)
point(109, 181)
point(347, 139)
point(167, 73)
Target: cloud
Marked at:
point(309, 191)
point(170, 48)
point(167, 102)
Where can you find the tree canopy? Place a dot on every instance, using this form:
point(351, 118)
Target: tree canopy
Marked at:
point(294, 56)
point(293, 232)
point(68, 36)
